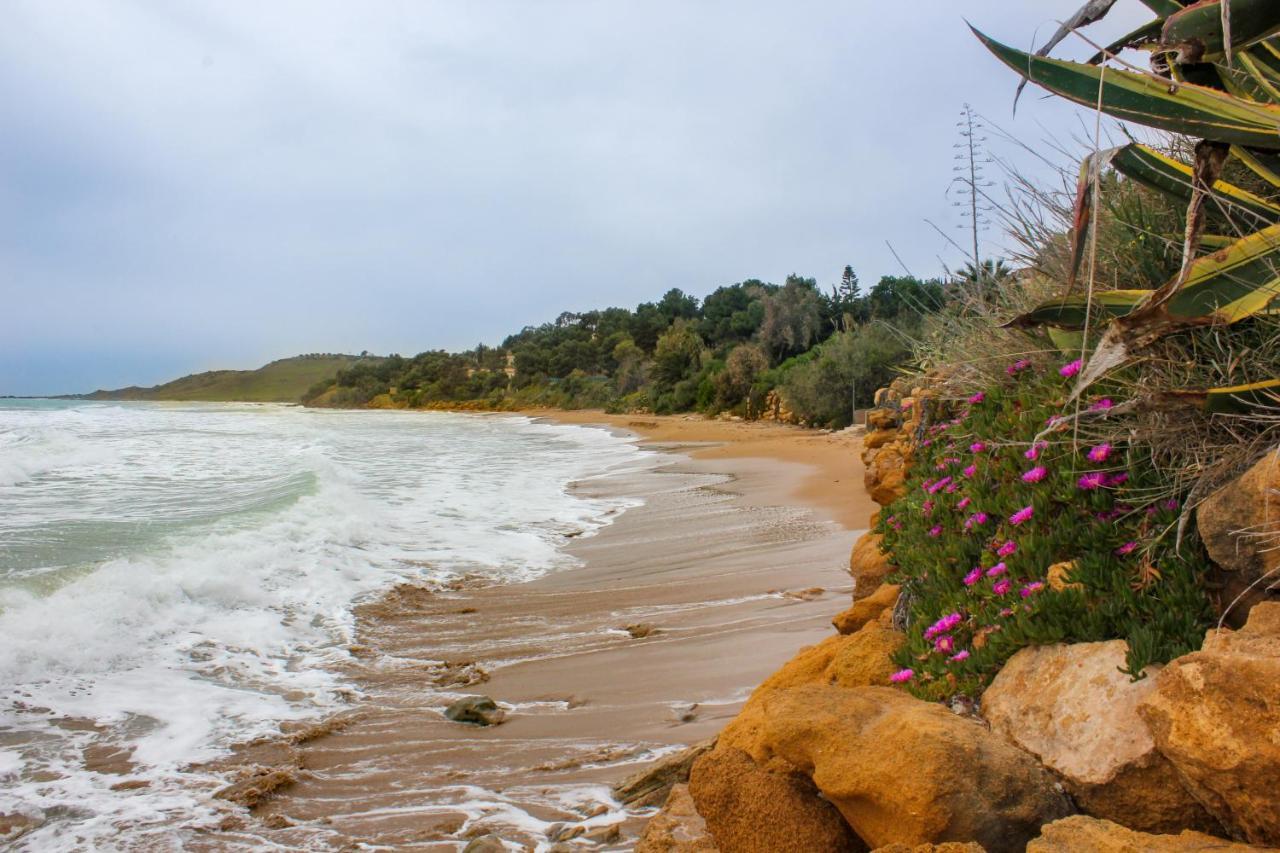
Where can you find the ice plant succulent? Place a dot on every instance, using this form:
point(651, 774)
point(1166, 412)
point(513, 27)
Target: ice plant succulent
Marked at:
point(1035, 475)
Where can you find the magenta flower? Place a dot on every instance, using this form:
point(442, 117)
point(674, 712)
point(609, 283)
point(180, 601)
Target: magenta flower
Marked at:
point(978, 518)
point(997, 570)
point(1002, 586)
point(1099, 453)
point(902, 676)
point(927, 442)
point(926, 508)
point(943, 625)
point(944, 645)
point(1007, 548)
point(1092, 480)
point(970, 471)
point(1117, 479)
point(1017, 367)
point(906, 404)
point(973, 576)
point(1127, 549)
point(978, 398)
point(977, 447)
point(934, 488)
point(1006, 612)
point(964, 503)
point(935, 531)
point(1102, 405)
point(1035, 475)
point(1030, 589)
point(1022, 515)
point(963, 654)
point(1171, 504)
point(1070, 369)
point(1033, 452)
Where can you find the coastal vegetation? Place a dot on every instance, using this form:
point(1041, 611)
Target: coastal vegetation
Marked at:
point(751, 349)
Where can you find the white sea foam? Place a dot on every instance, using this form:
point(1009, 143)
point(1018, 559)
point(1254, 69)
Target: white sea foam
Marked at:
point(183, 576)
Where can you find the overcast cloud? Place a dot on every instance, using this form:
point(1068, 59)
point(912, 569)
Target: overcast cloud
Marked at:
point(194, 185)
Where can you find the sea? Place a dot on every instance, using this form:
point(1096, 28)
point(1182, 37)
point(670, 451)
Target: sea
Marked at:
point(176, 579)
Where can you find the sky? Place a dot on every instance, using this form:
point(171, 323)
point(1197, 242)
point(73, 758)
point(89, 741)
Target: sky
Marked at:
point(195, 185)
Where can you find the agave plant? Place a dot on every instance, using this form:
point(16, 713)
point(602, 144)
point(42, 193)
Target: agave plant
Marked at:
point(1214, 76)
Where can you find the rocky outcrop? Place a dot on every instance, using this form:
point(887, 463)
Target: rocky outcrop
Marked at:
point(868, 565)
point(753, 809)
point(1082, 834)
point(909, 772)
point(867, 609)
point(1215, 714)
point(1072, 707)
point(677, 828)
point(944, 847)
point(1240, 526)
point(651, 785)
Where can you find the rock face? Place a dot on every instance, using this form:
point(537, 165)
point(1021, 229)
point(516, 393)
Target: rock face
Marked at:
point(476, 710)
point(1082, 834)
point(886, 476)
point(867, 609)
point(1215, 714)
point(944, 847)
point(1070, 706)
point(678, 828)
point(867, 565)
point(1240, 526)
point(750, 809)
point(651, 786)
point(909, 772)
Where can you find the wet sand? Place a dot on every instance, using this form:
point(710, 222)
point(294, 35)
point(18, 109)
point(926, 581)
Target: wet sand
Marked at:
point(737, 558)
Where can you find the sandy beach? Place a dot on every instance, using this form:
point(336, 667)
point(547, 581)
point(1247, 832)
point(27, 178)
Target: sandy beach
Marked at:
point(737, 558)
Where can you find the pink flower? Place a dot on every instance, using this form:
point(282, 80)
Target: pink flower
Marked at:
point(1035, 475)
point(1102, 405)
point(964, 503)
point(1007, 548)
point(1117, 479)
point(1022, 515)
point(935, 531)
point(977, 447)
point(1099, 453)
point(1127, 549)
point(1171, 504)
point(1092, 480)
point(1002, 587)
point(1070, 369)
point(1033, 452)
point(1030, 589)
point(944, 645)
point(978, 398)
point(978, 518)
point(926, 508)
point(906, 404)
point(902, 676)
point(1006, 612)
point(970, 471)
point(997, 570)
point(973, 576)
point(939, 485)
point(1017, 367)
point(963, 654)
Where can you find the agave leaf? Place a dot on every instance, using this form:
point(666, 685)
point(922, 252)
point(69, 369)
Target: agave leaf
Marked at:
point(1244, 398)
point(1146, 99)
point(1232, 283)
point(1163, 8)
point(1069, 312)
point(1148, 33)
point(1196, 31)
point(1166, 175)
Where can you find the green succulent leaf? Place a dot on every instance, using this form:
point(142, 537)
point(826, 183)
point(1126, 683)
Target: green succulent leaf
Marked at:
point(1197, 31)
point(1070, 312)
point(1232, 283)
point(1180, 108)
point(1173, 178)
point(1244, 398)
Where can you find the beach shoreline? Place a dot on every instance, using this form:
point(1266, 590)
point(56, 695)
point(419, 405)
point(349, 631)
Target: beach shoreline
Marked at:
point(736, 559)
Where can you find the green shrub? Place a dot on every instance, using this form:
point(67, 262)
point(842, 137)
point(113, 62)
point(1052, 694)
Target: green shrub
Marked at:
point(1000, 492)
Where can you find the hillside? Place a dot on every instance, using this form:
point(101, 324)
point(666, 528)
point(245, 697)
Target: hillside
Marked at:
point(282, 381)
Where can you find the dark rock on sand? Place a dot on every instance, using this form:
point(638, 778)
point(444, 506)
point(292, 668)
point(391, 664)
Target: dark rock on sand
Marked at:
point(476, 710)
point(651, 785)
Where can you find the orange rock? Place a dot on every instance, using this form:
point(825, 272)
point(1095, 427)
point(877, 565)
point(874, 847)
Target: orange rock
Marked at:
point(883, 419)
point(1080, 834)
point(1215, 714)
point(910, 772)
point(944, 847)
point(878, 438)
point(868, 565)
point(676, 828)
point(867, 609)
point(751, 809)
point(1240, 525)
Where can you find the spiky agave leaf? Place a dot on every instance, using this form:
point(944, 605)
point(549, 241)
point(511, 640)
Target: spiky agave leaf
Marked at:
point(1232, 283)
point(1069, 312)
point(1244, 398)
point(1173, 178)
point(1177, 107)
point(1196, 31)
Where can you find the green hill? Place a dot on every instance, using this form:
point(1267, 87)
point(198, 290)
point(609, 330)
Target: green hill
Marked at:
point(283, 381)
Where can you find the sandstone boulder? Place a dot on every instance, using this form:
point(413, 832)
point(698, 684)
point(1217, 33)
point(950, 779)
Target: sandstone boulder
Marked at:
point(650, 786)
point(1240, 526)
point(476, 710)
point(878, 438)
point(868, 565)
point(910, 772)
point(1215, 714)
point(750, 809)
point(677, 828)
point(1082, 834)
point(944, 847)
point(1072, 707)
point(867, 609)
point(884, 418)
point(885, 476)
